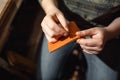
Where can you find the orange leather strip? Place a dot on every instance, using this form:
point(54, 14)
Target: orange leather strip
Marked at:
point(64, 40)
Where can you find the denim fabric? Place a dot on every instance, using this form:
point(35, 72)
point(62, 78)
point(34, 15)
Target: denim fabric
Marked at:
point(98, 70)
point(50, 65)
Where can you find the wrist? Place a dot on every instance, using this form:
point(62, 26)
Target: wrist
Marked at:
point(110, 33)
point(48, 5)
point(113, 29)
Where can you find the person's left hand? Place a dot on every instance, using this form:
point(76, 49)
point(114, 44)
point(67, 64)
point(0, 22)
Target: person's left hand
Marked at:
point(95, 43)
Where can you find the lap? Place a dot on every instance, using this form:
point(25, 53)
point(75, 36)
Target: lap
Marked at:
point(51, 64)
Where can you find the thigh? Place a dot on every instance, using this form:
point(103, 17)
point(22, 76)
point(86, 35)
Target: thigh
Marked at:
point(106, 65)
point(98, 70)
point(50, 65)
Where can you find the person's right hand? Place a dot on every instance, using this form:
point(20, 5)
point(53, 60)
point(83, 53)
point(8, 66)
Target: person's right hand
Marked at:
point(54, 25)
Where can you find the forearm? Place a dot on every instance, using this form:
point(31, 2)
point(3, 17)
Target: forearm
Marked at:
point(114, 28)
point(47, 5)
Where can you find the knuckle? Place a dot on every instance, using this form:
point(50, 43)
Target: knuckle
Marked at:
point(52, 40)
point(100, 45)
point(52, 26)
point(53, 35)
point(43, 30)
point(86, 43)
point(99, 49)
point(41, 24)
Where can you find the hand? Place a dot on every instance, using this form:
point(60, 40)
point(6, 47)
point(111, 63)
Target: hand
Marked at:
point(95, 43)
point(54, 25)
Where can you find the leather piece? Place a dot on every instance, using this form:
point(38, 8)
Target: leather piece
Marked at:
point(64, 40)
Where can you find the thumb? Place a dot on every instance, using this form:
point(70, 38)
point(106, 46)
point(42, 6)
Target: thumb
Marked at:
point(84, 33)
point(63, 21)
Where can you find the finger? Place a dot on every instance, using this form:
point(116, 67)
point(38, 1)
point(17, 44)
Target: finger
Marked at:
point(46, 30)
point(49, 33)
point(48, 36)
point(87, 32)
point(97, 49)
point(62, 21)
point(90, 52)
point(91, 42)
point(55, 19)
point(52, 25)
point(52, 40)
